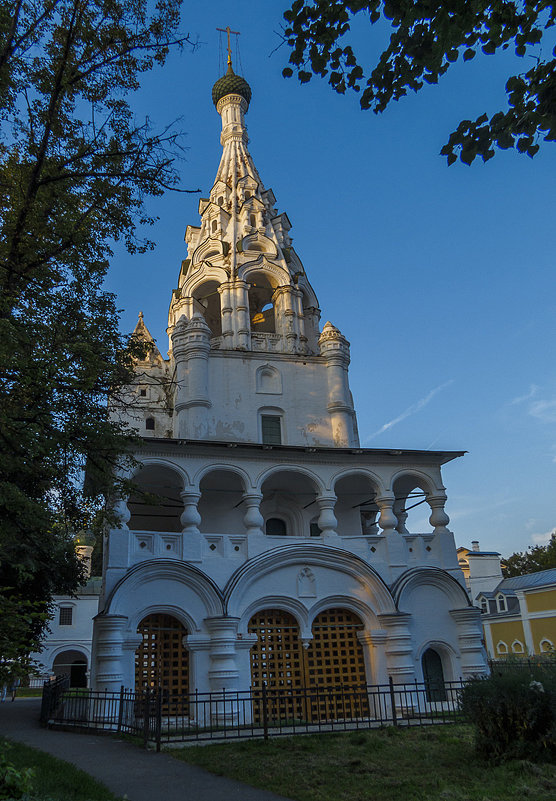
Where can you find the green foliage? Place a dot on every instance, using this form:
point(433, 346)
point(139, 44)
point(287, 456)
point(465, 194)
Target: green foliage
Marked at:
point(75, 170)
point(534, 559)
point(427, 38)
point(14, 782)
point(514, 714)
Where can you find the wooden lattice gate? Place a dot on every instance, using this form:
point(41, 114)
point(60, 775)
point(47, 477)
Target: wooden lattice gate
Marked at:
point(322, 682)
point(162, 660)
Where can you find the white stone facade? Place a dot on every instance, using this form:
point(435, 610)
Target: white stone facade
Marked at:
point(265, 499)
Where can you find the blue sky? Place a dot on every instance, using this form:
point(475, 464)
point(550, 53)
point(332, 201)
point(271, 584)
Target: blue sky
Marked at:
point(443, 279)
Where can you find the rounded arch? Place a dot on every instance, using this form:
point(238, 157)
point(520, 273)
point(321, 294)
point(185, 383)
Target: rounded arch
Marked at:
point(430, 576)
point(417, 478)
point(449, 657)
point(368, 617)
point(165, 581)
point(156, 461)
point(245, 579)
point(198, 277)
point(356, 509)
point(217, 466)
point(286, 604)
point(372, 477)
point(268, 380)
point(280, 468)
point(220, 504)
point(162, 510)
point(68, 646)
point(181, 615)
point(74, 663)
point(276, 275)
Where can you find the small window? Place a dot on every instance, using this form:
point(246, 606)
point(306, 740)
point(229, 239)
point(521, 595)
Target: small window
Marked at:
point(220, 201)
point(275, 527)
point(252, 220)
point(546, 646)
point(247, 195)
point(502, 648)
point(271, 429)
point(501, 604)
point(214, 224)
point(149, 423)
point(517, 647)
point(66, 615)
point(143, 392)
point(484, 606)
point(314, 529)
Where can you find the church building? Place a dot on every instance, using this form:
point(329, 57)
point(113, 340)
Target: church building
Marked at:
point(264, 545)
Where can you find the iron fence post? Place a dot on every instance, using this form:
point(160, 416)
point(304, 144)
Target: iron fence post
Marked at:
point(265, 712)
point(146, 712)
point(158, 719)
point(121, 709)
point(393, 701)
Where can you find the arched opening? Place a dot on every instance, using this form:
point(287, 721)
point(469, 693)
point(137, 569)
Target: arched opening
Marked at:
point(206, 300)
point(411, 505)
point(433, 675)
point(290, 497)
point(356, 509)
point(220, 504)
point(335, 659)
point(261, 307)
point(71, 663)
point(162, 661)
point(157, 505)
point(276, 527)
point(277, 661)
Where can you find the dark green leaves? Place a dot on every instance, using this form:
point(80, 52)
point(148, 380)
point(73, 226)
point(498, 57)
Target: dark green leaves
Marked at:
point(427, 38)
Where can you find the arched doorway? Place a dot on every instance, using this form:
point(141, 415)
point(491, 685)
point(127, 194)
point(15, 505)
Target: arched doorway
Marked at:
point(73, 664)
point(294, 676)
point(277, 662)
point(162, 660)
point(335, 660)
point(433, 675)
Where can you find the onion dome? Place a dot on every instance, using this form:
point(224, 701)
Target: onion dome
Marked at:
point(231, 84)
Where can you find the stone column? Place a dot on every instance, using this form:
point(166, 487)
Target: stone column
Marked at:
point(240, 294)
point(470, 641)
point(190, 517)
point(334, 349)
point(226, 311)
point(286, 317)
point(122, 511)
point(397, 559)
point(399, 647)
point(327, 521)
point(223, 671)
point(110, 669)
point(444, 544)
point(197, 404)
point(179, 353)
point(253, 518)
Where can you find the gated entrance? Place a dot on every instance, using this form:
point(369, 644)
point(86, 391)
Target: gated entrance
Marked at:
point(162, 660)
point(293, 675)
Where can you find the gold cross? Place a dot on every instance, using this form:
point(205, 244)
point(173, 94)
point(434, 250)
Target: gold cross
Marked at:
point(228, 31)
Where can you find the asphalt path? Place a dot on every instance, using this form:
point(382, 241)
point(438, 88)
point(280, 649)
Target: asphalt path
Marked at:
point(124, 768)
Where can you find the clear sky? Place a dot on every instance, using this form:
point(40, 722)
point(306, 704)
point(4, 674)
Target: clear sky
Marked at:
point(443, 279)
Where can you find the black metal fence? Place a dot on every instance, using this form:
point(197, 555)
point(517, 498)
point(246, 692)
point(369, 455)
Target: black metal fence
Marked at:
point(532, 664)
point(157, 717)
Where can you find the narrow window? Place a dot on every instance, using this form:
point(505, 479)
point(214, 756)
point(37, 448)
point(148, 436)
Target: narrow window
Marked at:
point(247, 195)
point(143, 393)
point(271, 429)
point(66, 615)
point(484, 606)
point(214, 223)
point(501, 603)
point(314, 530)
point(149, 423)
point(275, 527)
point(252, 220)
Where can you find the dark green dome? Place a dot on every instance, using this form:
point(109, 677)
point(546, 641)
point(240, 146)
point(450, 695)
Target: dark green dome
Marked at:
point(231, 84)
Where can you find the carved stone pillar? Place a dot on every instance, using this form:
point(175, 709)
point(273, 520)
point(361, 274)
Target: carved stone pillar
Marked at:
point(438, 518)
point(327, 521)
point(240, 293)
point(334, 349)
point(374, 647)
point(253, 518)
point(226, 312)
point(396, 545)
point(110, 669)
point(122, 511)
point(223, 671)
point(286, 317)
point(443, 539)
point(190, 517)
point(470, 641)
point(399, 647)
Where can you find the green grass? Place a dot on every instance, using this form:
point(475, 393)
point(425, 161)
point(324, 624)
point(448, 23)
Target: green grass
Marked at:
point(55, 779)
point(29, 692)
point(436, 763)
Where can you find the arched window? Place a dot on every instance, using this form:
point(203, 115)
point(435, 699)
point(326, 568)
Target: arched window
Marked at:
point(484, 605)
point(149, 423)
point(214, 225)
point(546, 646)
point(501, 603)
point(517, 647)
point(261, 308)
point(276, 527)
point(502, 648)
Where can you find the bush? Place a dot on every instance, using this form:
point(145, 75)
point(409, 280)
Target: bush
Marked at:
point(514, 715)
point(14, 782)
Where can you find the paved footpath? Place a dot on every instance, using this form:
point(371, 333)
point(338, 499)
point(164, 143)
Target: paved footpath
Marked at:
point(124, 768)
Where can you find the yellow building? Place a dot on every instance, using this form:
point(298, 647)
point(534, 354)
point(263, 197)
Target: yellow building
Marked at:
point(519, 613)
